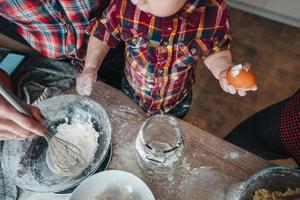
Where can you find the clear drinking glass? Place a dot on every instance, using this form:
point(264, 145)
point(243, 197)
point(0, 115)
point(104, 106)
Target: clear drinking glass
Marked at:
point(159, 145)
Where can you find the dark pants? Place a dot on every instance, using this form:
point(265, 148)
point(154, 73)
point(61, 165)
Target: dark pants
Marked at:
point(112, 67)
point(259, 133)
point(179, 111)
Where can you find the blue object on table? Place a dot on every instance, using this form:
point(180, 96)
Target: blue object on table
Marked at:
point(10, 62)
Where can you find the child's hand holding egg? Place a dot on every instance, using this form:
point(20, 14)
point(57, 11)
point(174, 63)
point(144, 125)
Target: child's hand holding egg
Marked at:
point(238, 78)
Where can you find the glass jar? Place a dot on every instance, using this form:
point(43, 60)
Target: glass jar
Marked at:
point(159, 145)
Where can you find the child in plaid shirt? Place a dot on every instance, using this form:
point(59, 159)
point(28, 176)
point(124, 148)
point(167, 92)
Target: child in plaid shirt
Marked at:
point(164, 39)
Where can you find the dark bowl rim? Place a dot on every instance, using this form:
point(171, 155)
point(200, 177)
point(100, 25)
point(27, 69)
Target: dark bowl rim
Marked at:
point(264, 171)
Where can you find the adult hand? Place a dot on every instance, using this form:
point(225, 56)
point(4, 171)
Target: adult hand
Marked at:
point(14, 125)
point(86, 80)
point(227, 87)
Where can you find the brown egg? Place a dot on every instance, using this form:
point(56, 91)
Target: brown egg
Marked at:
point(241, 78)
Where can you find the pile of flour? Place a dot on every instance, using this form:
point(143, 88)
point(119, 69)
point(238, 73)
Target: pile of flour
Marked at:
point(82, 135)
point(113, 193)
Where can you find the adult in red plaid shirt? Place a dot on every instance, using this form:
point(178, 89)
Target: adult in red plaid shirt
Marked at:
point(55, 29)
point(164, 39)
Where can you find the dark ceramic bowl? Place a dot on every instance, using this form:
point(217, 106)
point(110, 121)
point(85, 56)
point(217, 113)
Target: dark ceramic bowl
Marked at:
point(273, 179)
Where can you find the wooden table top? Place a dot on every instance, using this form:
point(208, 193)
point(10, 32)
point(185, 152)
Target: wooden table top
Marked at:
point(210, 165)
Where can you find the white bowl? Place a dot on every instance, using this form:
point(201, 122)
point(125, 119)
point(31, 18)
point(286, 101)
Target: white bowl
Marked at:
point(110, 181)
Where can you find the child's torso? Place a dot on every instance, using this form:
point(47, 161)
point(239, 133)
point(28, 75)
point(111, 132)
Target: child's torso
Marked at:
point(161, 52)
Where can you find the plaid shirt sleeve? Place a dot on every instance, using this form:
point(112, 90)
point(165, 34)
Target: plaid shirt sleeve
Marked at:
point(106, 28)
point(221, 38)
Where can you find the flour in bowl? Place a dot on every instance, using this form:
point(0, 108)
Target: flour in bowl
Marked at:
point(83, 136)
point(113, 193)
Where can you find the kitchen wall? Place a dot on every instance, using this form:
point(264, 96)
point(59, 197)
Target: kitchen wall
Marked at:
point(285, 11)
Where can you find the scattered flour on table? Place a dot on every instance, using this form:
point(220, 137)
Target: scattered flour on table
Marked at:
point(231, 155)
point(82, 135)
point(125, 159)
point(124, 156)
point(208, 181)
point(191, 181)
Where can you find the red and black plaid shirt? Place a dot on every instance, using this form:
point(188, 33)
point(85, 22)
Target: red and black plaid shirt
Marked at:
point(55, 29)
point(161, 53)
point(289, 126)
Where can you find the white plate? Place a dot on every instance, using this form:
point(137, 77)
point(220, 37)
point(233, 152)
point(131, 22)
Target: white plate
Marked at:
point(112, 180)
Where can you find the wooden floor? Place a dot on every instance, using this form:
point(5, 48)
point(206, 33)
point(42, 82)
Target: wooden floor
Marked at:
point(274, 52)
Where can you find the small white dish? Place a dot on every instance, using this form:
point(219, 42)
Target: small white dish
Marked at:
point(107, 184)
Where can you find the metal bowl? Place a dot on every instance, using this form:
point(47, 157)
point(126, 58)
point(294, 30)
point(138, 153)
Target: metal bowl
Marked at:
point(273, 179)
point(25, 161)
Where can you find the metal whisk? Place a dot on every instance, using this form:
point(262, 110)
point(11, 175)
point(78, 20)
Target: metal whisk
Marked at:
point(57, 145)
point(72, 154)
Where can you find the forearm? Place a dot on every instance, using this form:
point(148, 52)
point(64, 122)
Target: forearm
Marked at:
point(218, 62)
point(96, 53)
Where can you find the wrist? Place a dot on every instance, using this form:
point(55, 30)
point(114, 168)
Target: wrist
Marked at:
point(90, 69)
point(219, 62)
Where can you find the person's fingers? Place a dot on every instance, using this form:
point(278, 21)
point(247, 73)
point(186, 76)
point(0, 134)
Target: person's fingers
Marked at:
point(25, 122)
point(12, 127)
point(224, 84)
point(37, 114)
point(6, 135)
point(84, 83)
point(246, 66)
point(20, 137)
point(78, 88)
point(254, 88)
point(19, 124)
point(231, 89)
point(83, 88)
point(7, 138)
point(241, 93)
